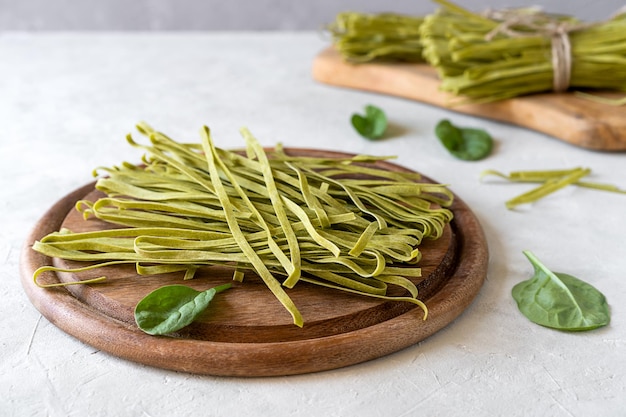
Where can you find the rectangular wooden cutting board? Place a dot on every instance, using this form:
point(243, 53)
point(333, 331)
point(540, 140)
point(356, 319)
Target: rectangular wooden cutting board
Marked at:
point(565, 116)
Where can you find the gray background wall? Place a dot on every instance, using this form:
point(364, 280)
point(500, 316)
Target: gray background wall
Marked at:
point(146, 15)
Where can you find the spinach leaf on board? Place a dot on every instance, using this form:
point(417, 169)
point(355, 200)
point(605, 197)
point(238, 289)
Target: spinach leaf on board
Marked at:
point(464, 143)
point(372, 125)
point(172, 307)
point(560, 301)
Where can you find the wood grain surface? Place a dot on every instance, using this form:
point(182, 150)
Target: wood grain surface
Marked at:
point(246, 332)
point(565, 116)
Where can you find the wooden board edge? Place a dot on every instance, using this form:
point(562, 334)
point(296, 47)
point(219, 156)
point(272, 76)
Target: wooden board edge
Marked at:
point(562, 116)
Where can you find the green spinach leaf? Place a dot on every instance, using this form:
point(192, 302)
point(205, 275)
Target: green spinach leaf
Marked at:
point(172, 307)
point(560, 301)
point(464, 143)
point(372, 125)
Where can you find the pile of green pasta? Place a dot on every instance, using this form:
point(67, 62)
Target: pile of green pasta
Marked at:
point(491, 56)
point(344, 223)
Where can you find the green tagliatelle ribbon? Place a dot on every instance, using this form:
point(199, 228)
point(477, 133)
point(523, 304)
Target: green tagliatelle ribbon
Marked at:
point(551, 181)
point(344, 223)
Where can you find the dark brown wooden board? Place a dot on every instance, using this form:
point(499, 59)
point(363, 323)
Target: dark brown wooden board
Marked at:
point(246, 332)
point(565, 116)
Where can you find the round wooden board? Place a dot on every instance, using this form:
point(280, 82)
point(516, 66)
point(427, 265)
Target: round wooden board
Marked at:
point(245, 331)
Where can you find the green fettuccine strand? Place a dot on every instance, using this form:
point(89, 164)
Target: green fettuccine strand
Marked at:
point(551, 181)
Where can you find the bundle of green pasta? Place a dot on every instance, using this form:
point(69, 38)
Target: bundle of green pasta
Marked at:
point(494, 55)
point(362, 37)
point(503, 54)
point(344, 223)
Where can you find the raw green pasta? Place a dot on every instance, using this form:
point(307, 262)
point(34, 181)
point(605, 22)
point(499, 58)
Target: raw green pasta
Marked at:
point(551, 181)
point(621, 101)
point(362, 37)
point(495, 54)
point(344, 223)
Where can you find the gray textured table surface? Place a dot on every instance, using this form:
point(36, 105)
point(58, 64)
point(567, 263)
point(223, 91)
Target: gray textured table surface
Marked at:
point(237, 15)
point(66, 103)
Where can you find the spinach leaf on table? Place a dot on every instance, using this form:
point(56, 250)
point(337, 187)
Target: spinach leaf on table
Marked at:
point(560, 301)
point(372, 125)
point(172, 307)
point(464, 143)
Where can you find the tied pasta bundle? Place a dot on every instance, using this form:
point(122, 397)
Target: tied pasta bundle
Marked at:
point(343, 223)
point(504, 54)
point(496, 55)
